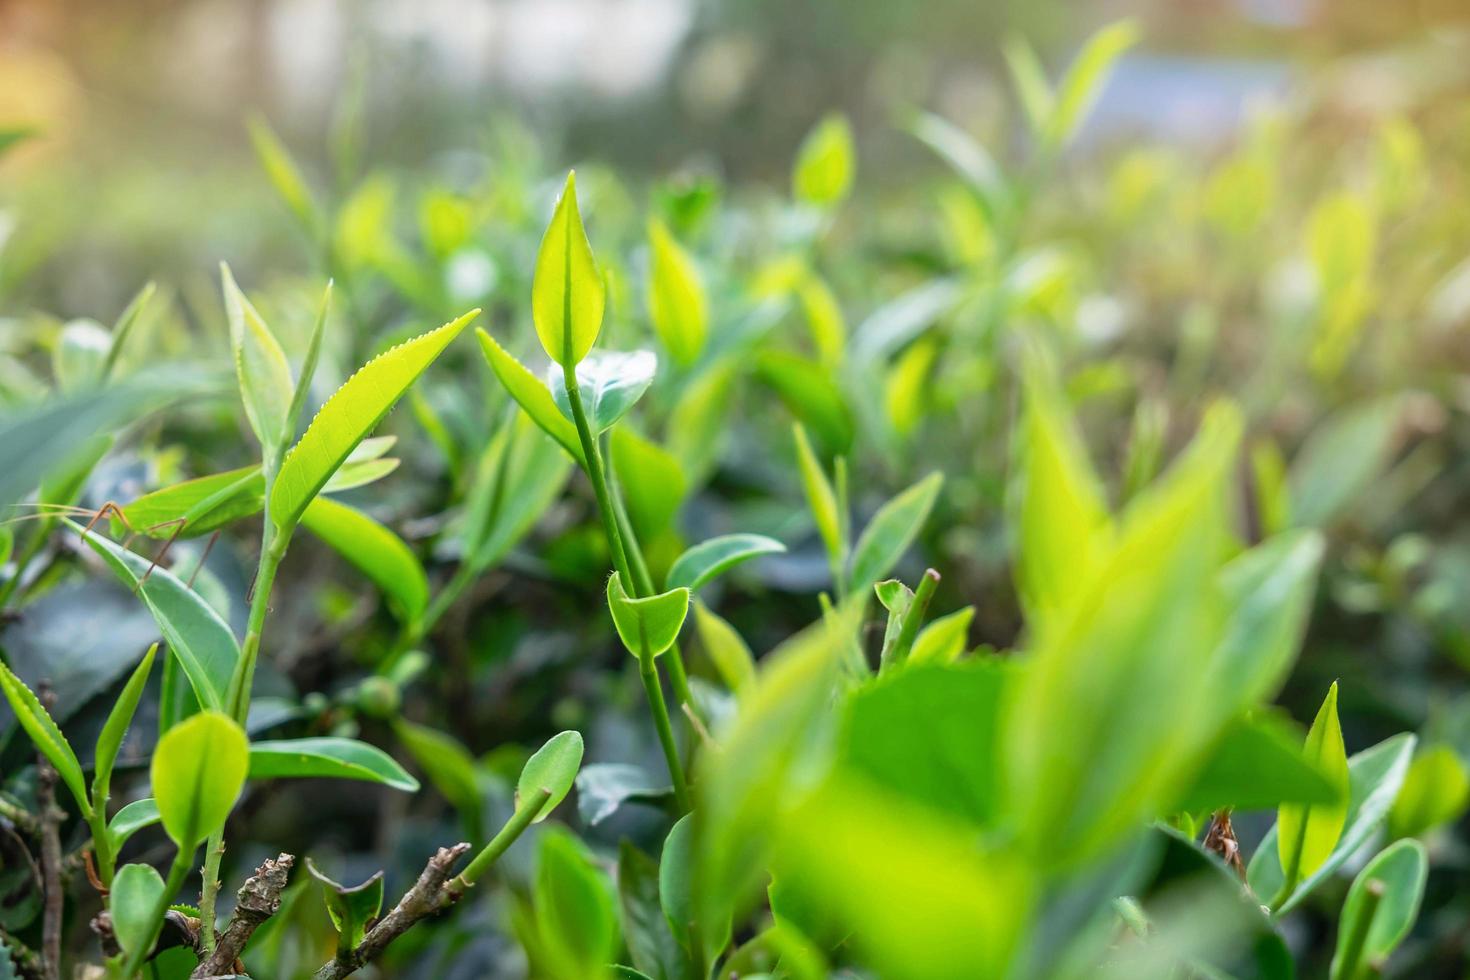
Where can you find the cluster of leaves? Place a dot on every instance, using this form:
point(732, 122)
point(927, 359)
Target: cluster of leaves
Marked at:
point(876, 793)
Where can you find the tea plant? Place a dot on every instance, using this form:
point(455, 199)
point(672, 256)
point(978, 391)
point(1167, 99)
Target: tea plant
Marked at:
point(876, 795)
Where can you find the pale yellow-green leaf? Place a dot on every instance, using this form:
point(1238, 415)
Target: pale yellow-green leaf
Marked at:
point(824, 167)
point(1307, 833)
point(353, 411)
point(284, 174)
point(676, 301)
point(905, 391)
point(819, 494)
point(261, 367)
point(567, 294)
point(824, 319)
point(198, 770)
point(725, 648)
point(1079, 89)
point(531, 393)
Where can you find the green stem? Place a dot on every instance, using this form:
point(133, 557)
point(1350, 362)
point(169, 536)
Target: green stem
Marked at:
point(592, 460)
point(524, 816)
point(1293, 873)
point(102, 851)
point(1350, 966)
point(649, 673)
point(183, 861)
point(913, 618)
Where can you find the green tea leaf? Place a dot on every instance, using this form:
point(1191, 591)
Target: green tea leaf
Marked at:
point(649, 625)
point(262, 369)
point(349, 415)
point(676, 892)
point(1079, 89)
point(1342, 457)
point(823, 172)
point(330, 757)
point(819, 494)
point(567, 294)
point(136, 889)
point(36, 720)
point(532, 395)
point(944, 640)
point(1037, 99)
point(376, 551)
point(553, 768)
point(891, 531)
point(131, 819)
point(198, 638)
point(651, 943)
point(676, 302)
point(198, 770)
point(651, 479)
point(698, 426)
point(308, 364)
point(966, 156)
point(806, 388)
point(725, 648)
point(710, 559)
point(1398, 875)
point(1436, 791)
point(824, 319)
point(576, 911)
point(604, 787)
point(116, 727)
point(1258, 764)
point(610, 383)
point(351, 909)
point(284, 175)
point(1307, 834)
point(1375, 777)
point(517, 480)
point(448, 764)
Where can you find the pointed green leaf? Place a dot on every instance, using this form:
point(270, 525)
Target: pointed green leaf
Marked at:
point(676, 893)
point(531, 394)
point(944, 640)
point(1375, 776)
point(552, 768)
point(353, 411)
point(1436, 792)
point(1037, 98)
point(129, 318)
point(651, 943)
point(651, 479)
point(567, 294)
point(131, 819)
point(80, 355)
point(824, 167)
point(819, 494)
point(649, 625)
point(725, 648)
point(284, 175)
point(197, 636)
point(308, 364)
point(448, 764)
point(576, 910)
point(1257, 764)
point(116, 726)
point(1381, 921)
point(891, 531)
point(610, 383)
point(518, 478)
point(198, 770)
point(36, 720)
point(376, 551)
point(808, 390)
point(708, 560)
point(1307, 834)
point(261, 367)
point(136, 889)
point(351, 909)
point(1079, 89)
point(331, 757)
point(676, 302)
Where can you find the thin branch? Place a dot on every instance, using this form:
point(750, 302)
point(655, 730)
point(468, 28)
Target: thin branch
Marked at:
point(51, 817)
point(258, 899)
point(432, 893)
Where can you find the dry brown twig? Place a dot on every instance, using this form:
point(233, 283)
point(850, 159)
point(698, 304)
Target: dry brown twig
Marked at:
point(257, 900)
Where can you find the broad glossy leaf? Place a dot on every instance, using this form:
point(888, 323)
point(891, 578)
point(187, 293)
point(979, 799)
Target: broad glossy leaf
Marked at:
point(351, 909)
point(349, 415)
point(261, 368)
point(808, 391)
point(1125, 656)
point(196, 635)
point(652, 482)
point(36, 721)
point(1375, 776)
point(676, 302)
point(1400, 871)
point(131, 819)
point(198, 770)
point(1062, 520)
point(944, 640)
point(892, 529)
point(819, 494)
point(1307, 833)
point(116, 726)
point(1435, 792)
point(1257, 764)
point(136, 890)
point(531, 394)
point(709, 559)
point(824, 168)
point(931, 734)
point(567, 294)
point(725, 648)
point(610, 383)
point(647, 626)
point(603, 788)
point(331, 757)
point(575, 906)
point(553, 768)
point(376, 551)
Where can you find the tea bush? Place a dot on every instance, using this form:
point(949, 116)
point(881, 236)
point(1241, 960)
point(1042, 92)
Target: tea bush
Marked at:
point(1028, 554)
